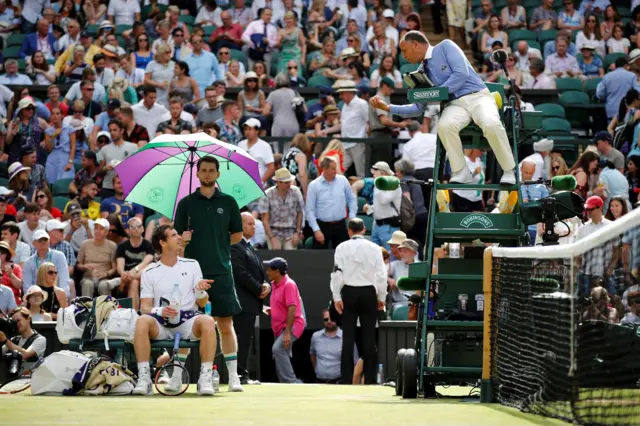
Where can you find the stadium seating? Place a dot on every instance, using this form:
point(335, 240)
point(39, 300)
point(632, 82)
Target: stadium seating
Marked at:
point(4, 182)
point(566, 84)
point(517, 35)
point(551, 110)
point(556, 124)
point(60, 202)
point(239, 56)
point(611, 58)
point(547, 35)
point(61, 187)
point(15, 39)
point(400, 312)
point(318, 80)
point(12, 52)
point(575, 115)
point(590, 87)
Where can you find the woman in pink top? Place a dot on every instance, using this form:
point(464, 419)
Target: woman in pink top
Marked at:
point(287, 319)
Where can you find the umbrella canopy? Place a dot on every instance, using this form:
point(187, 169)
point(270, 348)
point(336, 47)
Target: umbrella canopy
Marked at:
point(164, 171)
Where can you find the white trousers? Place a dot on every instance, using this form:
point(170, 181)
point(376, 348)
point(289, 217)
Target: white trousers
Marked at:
point(480, 107)
point(355, 155)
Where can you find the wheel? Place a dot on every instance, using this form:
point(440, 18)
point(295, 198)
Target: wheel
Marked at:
point(410, 374)
point(399, 360)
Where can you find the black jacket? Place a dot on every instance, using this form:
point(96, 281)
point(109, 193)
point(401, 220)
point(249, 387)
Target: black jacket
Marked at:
point(249, 275)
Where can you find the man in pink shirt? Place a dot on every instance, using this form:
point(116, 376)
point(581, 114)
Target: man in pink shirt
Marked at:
point(287, 320)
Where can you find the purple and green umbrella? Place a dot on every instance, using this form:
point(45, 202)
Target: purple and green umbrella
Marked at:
point(164, 171)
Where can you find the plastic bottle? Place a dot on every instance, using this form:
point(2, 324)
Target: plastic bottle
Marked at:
point(216, 378)
point(437, 358)
point(207, 308)
point(175, 303)
point(380, 375)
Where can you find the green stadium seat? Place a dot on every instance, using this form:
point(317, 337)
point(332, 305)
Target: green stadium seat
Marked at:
point(4, 182)
point(554, 124)
point(573, 97)
point(311, 102)
point(239, 56)
point(60, 202)
point(122, 28)
point(77, 167)
point(318, 80)
point(576, 116)
point(92, 29)
point(551, 110)
point(517, 35)
point(187, 19)
point(22, 65)
point(308, 243)
point(547, 35)
point(12, 52)
point(361, 202)
point(368, 222)
point(408, 68)
point(608, 60)
point(274, 63)
point(147, 9)
point(61, 187)
point(15, 40)
point(624, 12)
point(208, 30)
point(566, 84)
point(400, 312)
point(590, 87)
point(4, 172)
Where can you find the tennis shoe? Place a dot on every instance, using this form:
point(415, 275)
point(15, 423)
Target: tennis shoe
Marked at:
point(175, 382)
point(144, 386)
point(462, 176)
point(205, 382)
point(508, 177)
point(164, 378)
point(235, 385)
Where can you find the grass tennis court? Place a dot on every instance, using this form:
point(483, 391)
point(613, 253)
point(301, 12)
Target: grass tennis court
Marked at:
point(267, 404)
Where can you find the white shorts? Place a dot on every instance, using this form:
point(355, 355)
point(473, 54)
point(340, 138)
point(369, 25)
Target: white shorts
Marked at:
point(185, 329)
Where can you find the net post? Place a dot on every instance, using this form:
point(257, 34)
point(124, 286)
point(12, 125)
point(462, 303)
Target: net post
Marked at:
point(486, 390)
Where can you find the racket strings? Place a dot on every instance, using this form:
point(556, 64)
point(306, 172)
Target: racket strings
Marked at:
point(172, 379)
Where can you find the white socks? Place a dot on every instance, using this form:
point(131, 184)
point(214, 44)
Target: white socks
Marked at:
point(232, 364)
point(143, 369)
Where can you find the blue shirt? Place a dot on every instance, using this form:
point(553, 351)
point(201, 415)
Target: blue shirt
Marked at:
point(63, 140)
point(613, 87)
point(550, 49)
point(31, 265)
point(447, 66)
point(204, 69)
point(595, 4)
point(124, 209)
point(531, 193)
point(15, 79)
point(7, 301)
point(328, 353)
point(326, 201)
point(102, 121)
point(616, 183)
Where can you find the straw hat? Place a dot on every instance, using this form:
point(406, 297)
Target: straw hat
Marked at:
point(347, 86)
point(283, 175)
point(330, 109)
point(5, 245)
point(34, 289)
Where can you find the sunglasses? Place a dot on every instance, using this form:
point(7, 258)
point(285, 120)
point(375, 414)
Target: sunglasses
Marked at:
point(52, 272)
point(591, 20)
point(293, 68)
point(41, 196)
point(555, 169)
point(89, 89)
point(326, 319)
point(224, 53)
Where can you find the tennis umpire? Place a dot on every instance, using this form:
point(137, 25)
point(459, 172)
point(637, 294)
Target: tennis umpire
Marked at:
point(359, 288)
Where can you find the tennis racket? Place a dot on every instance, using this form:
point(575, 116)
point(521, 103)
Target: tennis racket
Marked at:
point(21, 382)
point(178, 376)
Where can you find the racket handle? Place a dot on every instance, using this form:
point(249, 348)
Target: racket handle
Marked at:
point(176, 341)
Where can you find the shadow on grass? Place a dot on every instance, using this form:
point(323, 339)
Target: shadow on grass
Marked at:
point(533, 418)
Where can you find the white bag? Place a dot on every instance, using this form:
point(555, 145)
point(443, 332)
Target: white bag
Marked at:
point(66, 326)
point(55, 374)
point(120, 324)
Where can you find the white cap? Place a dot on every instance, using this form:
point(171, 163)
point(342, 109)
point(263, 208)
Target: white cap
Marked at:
point(102, 222)
point(54, 224)
point(388, 13)
point(252, 122)
point(40, 234)
point(543, 145)
point(634, 55)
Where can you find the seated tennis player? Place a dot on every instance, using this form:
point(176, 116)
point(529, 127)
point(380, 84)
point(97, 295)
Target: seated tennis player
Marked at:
point(178, 279)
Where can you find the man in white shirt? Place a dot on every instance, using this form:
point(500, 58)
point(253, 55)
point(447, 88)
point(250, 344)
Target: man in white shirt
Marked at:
point(70, 38)
point(385, 208)
point(524, 54)
point(10, 232)
point(147, 112)
point(354, 121)
point(541, 158)
point(124, 12)
point(31, 225)
point(539, 80)
point(117, 150)
point(421, 151)
point(258, 149)
point(75, 92)
point(162, 321)
point(381, 121)
point(359, 288)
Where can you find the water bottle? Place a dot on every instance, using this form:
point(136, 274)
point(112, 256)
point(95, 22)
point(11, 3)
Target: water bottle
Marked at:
point(437, 358)
point(175, 303)
point(207, 308)
point(216, 379)
point(380, 375)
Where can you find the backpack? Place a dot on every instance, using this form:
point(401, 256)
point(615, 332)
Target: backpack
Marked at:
point(407, 213)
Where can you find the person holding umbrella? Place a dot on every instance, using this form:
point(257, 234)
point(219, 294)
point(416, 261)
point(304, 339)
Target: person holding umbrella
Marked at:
point(209, 221)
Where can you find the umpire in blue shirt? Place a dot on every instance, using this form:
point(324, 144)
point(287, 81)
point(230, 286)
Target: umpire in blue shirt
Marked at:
point(469, 99)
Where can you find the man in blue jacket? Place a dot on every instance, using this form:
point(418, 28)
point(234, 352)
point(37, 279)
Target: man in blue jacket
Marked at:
point(42, 40)
point(469, 99)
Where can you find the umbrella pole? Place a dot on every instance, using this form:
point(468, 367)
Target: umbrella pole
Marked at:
point(192, 150)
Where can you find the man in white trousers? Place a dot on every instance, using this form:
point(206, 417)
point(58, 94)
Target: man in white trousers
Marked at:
point(446, 65)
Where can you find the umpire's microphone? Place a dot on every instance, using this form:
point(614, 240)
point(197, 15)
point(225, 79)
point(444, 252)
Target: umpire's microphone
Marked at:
point(558, 183)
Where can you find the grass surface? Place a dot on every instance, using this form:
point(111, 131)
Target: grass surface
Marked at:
point(267, 404)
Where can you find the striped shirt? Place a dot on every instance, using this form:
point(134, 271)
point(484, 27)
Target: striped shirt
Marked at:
point(283, 213)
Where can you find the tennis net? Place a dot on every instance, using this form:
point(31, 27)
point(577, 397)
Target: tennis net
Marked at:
point(564, 330)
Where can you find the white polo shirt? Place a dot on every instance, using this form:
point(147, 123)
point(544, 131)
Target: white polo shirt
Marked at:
point(158, 280)
point(149, 118)
point(123, 11)
point(354, 120)
point(261, 151)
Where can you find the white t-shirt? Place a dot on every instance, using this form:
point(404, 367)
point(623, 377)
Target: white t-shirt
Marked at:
point(421, 150)
point(618, 46)
point(123, 11)
point(589, 228)
point(39, 345)
point(158, 280)
point(478, 179)
point(111, 152)
point(149, 118)
point(26, 234)
point(262, 153)
point(23, 252)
